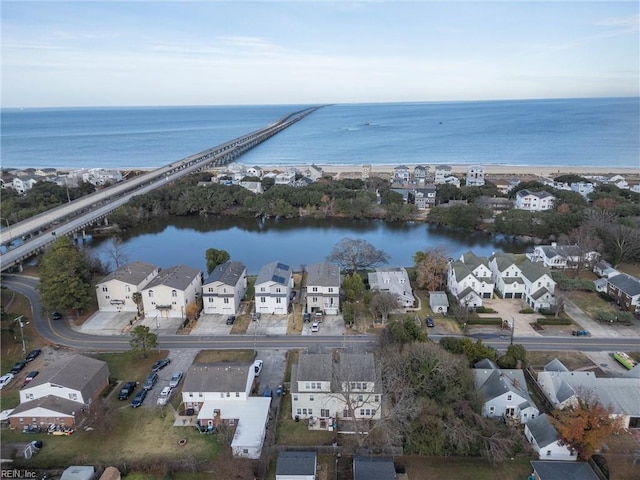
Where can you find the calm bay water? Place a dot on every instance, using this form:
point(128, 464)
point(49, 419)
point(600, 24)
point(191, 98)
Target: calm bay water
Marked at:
point(296, 242)
point(580, 132)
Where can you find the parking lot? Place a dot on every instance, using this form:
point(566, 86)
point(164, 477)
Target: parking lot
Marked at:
point(329, 325)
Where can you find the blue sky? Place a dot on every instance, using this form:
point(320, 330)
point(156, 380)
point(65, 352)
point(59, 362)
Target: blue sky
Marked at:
point(121, 53)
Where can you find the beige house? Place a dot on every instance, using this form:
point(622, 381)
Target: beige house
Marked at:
point(169, 293)
point(323, 288)
point(115, 291)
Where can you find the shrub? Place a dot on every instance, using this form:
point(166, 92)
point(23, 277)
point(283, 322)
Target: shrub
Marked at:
point(554, 321)
point(526, 310)
point(485, 321)
point(485, 310)
point(605, 296)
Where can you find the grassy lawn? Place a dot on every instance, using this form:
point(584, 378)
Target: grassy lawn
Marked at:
point(241, 324)
point(220, 356)
point(290, 432)
point(296, 320)
point(590, 302)
point(138, 434)
point(427, 468)
point(572, 360)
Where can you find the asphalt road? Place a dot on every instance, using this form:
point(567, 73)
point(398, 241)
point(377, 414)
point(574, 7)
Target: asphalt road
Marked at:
point(60, 333)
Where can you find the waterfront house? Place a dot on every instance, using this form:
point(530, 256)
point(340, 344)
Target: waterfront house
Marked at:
point(326, 388)
point(475, 176)
point(255, 187)
point(504, 392)
point(273, 288)
point(506, 274)
point(469, 279)
point(254, 172)
point(625, 289)
point(115, 292)
point(539, 286)
point(225, 288)
point(401, 174)
point(286, 178)
point(619, 181)
point(423, 198)
point(421, 174)
point(395, 281)
point(560, 256)
point(441, 173)
point(169, 293)
point(61, 392)
point(313, 172)
point(323, 288)
point(534, 201)
point(545, 440)
point(23, 184)
point(219, 394)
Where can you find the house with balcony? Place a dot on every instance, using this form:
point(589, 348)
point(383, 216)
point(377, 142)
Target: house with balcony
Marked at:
point(286, 178)
point(534, 201)
point(401, 174)
point(561, 256)
point(323, 288)
point(225, 288)
point(331, 387)
point(393, 280)
point(423, 198)
point(625, 289)
point(545, 440)
point(254, 172)
point(219, 394)
point(441, 172)
point(506, 274)
point(475, 176)
point(504, 392)
point(23, 184)
point(273, 288)
point(169, 293)
point(313, 172)
point(421, 174)
point(469, 279)
point(61, 393)
point(115, 292)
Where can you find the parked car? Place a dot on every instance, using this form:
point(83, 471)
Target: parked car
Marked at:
point(267, 393)
point(32, 355)
point(150, 381)
point(175, 380)
point(255, 316)
point(139, 398)
point(315, 326)
point(429, 321)
point(257, 366)
point(307, 317)
point(56, 316)
point(231, 319)
point(30, 376)
point(164, 396)
point(580, 333)
point(17, 367)
point(5, 380)
point(160, 364)
point(126, 390)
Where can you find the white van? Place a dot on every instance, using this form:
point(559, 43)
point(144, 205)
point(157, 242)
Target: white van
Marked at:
point(165, 394)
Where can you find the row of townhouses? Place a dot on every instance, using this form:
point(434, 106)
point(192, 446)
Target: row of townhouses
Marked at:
point(23, 181)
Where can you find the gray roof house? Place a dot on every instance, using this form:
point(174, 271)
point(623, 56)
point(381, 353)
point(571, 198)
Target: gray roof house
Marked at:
point(438, 302)
point(504, 392)
point(373, 468)
point(554, 470)
point(225, 288)
point(544, 439)
point(394, 280)
point(296, 466)
point(115, 291)
point(169, 293)
point(323, 288)
point(61, 392)
point(626, 290)
point(273, 288)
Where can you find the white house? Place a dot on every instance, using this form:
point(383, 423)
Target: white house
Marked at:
point(534, 201)
point(583, 188)
point(507, 276)
point(255, 187)
point(441, 173)
point(169, 293)
point(439, 302)
point(539, 286)
point(330, 387)
point(619, 181)
point(273, 288)
point(61, 392)
point(475, 176)
point(296, 466)
point(314, 172)
point(560, 256)
point(254, 172)
point(544, 439)
point(394, 280)
point(23, 184)
point(286, 178)
point(323, 288)
point(504, 392)
point(401, 174)
point(101, 176)
point(223, 291)
point(469, 279)
point(220, 396)
point(421, 174)
point(115, 291)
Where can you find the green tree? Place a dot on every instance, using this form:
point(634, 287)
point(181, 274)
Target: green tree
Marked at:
point(515, 353)
point(353, 286)
point(137, 299)
point(65, 282)
point(142, 340)
point(403, 331)
point(215, 257)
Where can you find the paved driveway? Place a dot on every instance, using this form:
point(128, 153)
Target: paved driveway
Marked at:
point(269, 325)
point(330, 325)
point(509, 309)
point(181, 360)
point(273, 369)
point(211, 324)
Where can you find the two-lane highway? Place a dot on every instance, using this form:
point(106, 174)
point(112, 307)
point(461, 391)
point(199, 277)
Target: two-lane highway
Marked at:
point(59, 333)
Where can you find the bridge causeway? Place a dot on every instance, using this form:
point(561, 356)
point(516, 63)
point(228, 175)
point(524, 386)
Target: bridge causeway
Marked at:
point(41, 230)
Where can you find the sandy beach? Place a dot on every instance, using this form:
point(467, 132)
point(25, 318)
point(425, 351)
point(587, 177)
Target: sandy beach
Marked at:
point(495, 170)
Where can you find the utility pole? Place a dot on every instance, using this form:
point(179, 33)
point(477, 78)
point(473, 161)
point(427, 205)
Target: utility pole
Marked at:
point(513, 327)
point(24, 345)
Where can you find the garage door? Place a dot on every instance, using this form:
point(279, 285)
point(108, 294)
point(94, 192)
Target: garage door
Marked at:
point(508, 295)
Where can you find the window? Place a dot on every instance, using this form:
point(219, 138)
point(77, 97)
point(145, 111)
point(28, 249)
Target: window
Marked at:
point(237, 394)
point(376, 398)
point(311, 398)
point(262, 289)
point(315, 299)
point(314, 289)
point(105, 289)
point(311, 411)
point(278, 300)
point(295, 398)
point(278, 289)
point(225, 300)
point(232, 421)
point(263, 300)
point(150, 293)
point(224, 290)
point(73, 396)
point(345, 413)
point(360, 398)
point(492, 410)
point(210, 299)
point(362, 412)
point(174, 293)
point(324, 412)
point(245, 450)
point(128, 288)
point(200, 395)
point(299, 411)
point(210, 290)
point(307, 386)
point(304, 411)
point(228, 394)
point(548, 453)
point(509, 397)
point(330, 289)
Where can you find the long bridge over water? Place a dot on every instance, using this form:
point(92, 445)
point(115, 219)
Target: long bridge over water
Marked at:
point(43, 229)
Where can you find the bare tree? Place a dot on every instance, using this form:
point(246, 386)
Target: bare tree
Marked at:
point(431, 268)
point(586, 240)
point(117, 253)
point(355, 254)
point(559, 303)
point(382, 304)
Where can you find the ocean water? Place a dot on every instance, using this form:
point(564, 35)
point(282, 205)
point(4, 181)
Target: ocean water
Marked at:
point(564, 132)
